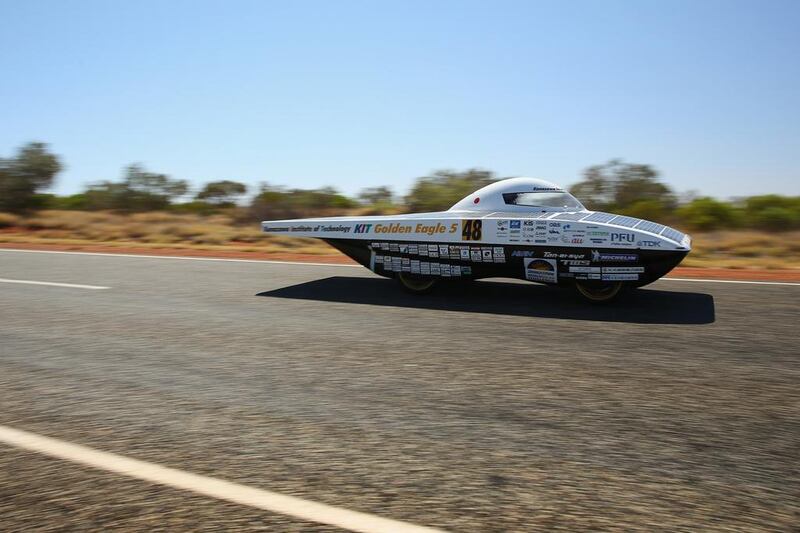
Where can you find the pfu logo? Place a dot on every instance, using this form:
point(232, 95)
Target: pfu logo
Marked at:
point(362, 228)
point(622, 237)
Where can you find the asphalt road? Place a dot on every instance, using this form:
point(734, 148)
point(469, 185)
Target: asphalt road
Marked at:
point(494, 406)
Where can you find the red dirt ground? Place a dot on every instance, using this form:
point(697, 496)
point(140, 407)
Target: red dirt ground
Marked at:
point(785, 275)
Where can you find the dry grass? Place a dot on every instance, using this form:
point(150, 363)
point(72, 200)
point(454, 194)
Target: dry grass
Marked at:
point(731, 249)
point(151, 230)
point(745, 249)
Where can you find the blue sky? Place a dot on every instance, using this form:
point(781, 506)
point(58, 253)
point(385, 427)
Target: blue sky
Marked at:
point(354, 94)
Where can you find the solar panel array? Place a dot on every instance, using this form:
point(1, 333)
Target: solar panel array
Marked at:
point(599, 217)
point(631, 222)
point(569, 216)
point(673, 234)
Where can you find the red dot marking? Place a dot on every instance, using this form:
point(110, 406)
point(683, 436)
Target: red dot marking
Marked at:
point(476, 200)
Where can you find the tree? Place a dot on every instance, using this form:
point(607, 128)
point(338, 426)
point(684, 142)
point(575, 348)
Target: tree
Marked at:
point(33, 168)
point(444, 188)
point(708, 214)
point(222, 192)
point(376, 195)
point(140, 190)
point(273, 203)
point(773, 212)
point(617, 185)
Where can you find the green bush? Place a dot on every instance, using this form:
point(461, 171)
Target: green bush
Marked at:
point(708, 214)
point(776, 219)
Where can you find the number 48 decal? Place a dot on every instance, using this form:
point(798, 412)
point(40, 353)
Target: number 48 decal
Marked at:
point(471, 230)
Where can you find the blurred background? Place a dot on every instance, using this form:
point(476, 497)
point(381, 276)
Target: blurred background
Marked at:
point(182, 124)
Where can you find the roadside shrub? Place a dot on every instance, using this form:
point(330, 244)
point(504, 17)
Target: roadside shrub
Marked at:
point(708, 214)
point(7, 220)
point(776, 219)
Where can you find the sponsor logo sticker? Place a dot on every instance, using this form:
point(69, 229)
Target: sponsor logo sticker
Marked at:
point(544, 270)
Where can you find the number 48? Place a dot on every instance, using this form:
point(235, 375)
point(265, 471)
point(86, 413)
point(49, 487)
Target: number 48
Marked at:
point(471, 230)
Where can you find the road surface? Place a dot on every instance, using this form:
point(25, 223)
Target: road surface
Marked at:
point(494, 406)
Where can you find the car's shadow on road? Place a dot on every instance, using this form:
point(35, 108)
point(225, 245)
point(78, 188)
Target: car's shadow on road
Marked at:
point(640, 306)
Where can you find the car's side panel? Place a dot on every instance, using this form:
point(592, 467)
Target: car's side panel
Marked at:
point(556, 264)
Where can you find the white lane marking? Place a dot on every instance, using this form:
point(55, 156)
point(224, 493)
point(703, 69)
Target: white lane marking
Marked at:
point(306, 263)
point(144, 256)
point(53, 284)
point(208, 486)
point(734, 281)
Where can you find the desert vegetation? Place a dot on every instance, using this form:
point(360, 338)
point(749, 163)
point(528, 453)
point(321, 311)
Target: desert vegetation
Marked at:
point(148, 209)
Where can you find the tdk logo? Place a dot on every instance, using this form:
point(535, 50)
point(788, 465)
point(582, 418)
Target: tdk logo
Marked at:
point(362, 228)
point(649, 244)
point(622, 237)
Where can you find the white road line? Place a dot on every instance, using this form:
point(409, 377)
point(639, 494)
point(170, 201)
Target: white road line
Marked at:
point(735, 281)
point(144, 256)
point(53, 284)
point(306, 263)
point(208, 486)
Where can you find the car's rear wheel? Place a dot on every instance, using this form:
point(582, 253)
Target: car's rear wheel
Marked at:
point(599, 292)
point(416, 284)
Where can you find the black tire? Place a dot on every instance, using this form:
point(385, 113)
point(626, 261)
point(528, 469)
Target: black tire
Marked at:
point(416, 284)
point(599, 292)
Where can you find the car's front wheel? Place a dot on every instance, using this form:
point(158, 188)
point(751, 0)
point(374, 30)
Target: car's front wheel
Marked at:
point(599, 292)
point(416, 284)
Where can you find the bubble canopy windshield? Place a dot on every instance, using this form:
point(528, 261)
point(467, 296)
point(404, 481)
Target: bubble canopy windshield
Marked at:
point(519, 195)
point(543, 199)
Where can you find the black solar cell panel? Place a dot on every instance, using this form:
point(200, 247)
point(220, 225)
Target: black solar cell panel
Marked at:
point(652, 227)
point(673, 234)
point(599, 217)
point(627, 222)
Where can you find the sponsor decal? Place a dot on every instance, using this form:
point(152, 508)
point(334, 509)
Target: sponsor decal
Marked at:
point(563, 255)
point(423, 250)
point(413, 249)
point(362, 228)
point(554, 224)
point(623, 270)
point(572, 238)
point(397, 227)
point(471, 230)
point(455, 270)
point(545, 270)
point(612, 257)
point(549, 255)
point(406, 264)
point(486, 255)
point(466, 270)
point(444, 251)
point(445, 268)
point(403, 248)
point(622, 238)
point(475, 254)
point(464, 252)
point(584, 269)
point(415, 266)
point(436, 269)
point(620, 277)
point(433, 250)
point(424, 267)
point(574, 262)
point(379, 259)
point(393, 247)
point(523, 253)
point(649, 244)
